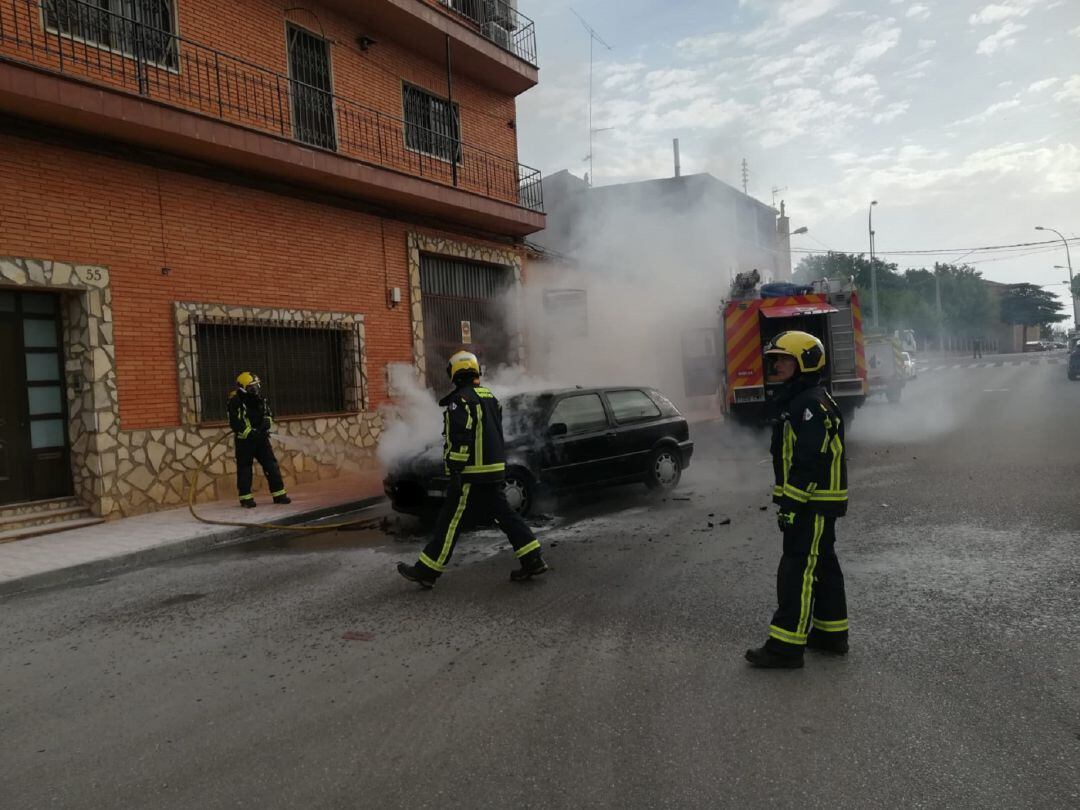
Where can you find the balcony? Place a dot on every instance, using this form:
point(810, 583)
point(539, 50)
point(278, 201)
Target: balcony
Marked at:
point(501, 23)
point(79, 41)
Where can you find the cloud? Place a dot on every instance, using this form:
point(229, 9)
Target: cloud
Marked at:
point(705, 46)
point(1075, 31)
point(996, 12)
point(988, 113)
point(793, 13)
point(1070, 93)
point(1003, 39)
point(892, 112)
point(879, 39)
point(1043, 84)
point(848, 84)
point(918, 12)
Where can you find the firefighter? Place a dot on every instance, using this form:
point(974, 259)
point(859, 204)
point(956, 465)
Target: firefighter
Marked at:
point(251, 422)
point(811, 491)
point(475, 458)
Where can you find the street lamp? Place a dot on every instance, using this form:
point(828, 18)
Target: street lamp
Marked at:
point(873, 269)
point(1068, 260)
point(798, 231)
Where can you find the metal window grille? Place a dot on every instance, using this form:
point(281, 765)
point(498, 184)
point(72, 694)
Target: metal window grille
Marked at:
point(312, 91)
point(304, 366)
point(429, 125)
point(140, 28)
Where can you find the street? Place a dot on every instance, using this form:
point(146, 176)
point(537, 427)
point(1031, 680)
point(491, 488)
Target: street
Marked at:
point(302, 671)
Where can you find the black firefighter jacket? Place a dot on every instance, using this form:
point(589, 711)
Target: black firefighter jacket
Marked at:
point(249, 415)
point(474, 447)
point(809, 463)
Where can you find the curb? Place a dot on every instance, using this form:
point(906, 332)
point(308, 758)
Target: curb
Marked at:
point(167, 551)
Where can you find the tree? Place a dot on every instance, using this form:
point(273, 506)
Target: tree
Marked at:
point(1028, 305)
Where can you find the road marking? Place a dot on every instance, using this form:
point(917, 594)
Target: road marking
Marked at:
point(995, 390)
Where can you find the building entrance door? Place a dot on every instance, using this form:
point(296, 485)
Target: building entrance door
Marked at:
point(34, 452)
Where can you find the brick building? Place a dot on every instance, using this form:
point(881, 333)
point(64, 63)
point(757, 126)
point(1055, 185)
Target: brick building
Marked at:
point(188, 189)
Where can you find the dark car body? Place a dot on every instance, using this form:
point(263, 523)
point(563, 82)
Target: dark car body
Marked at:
point(1074, 364)
point(562, 440)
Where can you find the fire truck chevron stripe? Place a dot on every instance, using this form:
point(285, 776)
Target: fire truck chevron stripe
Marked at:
point(737, 332)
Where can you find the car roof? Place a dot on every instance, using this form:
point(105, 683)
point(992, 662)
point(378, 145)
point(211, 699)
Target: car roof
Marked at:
point(558, 392)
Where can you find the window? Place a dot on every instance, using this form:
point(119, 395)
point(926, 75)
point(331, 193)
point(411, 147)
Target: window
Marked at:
point(302, 367)
point(145, 29)
point(580, 414)
point(429, 126)
point(632, 406)
point(312, 91)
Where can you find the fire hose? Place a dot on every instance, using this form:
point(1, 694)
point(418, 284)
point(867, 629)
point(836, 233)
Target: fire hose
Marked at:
point(322, 527)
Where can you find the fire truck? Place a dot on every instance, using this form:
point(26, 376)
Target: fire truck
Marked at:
point(755, 313)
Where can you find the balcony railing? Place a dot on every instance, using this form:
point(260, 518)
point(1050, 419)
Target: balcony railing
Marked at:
point(501, 23)
point(85, 41)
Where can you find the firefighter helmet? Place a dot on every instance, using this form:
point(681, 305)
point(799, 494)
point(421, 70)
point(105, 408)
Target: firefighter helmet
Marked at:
point(807, 350)
point(248, 381)
point(462, 362)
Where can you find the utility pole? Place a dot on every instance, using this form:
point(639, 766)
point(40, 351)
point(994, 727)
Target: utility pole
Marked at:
point(940, 315)
point(593, 38)
point(1068, 261)
point(745, 176)
point(873, 267)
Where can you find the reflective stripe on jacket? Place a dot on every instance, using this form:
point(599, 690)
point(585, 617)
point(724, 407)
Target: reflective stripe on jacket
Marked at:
point(248, 413)
point(473, 444)
point(809, 462)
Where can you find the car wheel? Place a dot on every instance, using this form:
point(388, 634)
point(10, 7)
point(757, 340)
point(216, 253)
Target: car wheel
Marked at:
point(665, 469)
point(519, 490)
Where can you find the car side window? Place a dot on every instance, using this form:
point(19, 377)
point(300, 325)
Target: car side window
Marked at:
point(632, 406)
point(580, 414)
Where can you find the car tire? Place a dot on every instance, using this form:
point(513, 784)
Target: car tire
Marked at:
point(520, 490)
point(665, 469)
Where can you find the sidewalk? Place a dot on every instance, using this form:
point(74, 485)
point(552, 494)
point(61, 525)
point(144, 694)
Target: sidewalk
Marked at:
point(117, 545)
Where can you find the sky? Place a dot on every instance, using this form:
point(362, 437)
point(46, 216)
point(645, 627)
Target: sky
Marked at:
point(960, 117)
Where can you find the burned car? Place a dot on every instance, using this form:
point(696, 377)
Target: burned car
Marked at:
point(566, 440)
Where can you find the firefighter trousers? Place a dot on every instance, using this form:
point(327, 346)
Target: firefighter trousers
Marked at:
point(809, 586)
point(257, 448)
point(466, 505)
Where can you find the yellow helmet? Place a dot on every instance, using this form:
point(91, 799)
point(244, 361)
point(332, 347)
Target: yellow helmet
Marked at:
point(462, 362)
point(247, 380)
point(808, 351)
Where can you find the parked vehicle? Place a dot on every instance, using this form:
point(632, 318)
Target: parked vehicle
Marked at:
point(885, 367)
point(1074, 364)
point(756, 314)
point(566, 440)
point(910, 371)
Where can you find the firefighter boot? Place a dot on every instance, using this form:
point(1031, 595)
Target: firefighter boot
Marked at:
point(835, 643)
point(532, 565)
point(248, 503)
point(765, 658)
point(418, 574)
point(282, 499)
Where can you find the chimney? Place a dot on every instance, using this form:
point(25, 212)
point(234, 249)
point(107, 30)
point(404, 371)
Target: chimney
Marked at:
point(675, 147)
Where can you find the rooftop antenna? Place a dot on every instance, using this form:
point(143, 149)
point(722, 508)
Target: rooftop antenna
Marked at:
point(776, 190)
point(745, 176)
point(593, 38)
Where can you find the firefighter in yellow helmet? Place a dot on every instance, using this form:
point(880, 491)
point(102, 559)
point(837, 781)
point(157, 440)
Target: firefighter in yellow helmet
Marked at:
point(811, 491)
point(475, 455)
point(251, 422)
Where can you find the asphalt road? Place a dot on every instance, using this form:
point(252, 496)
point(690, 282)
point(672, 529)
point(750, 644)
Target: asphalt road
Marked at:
point(302, 672)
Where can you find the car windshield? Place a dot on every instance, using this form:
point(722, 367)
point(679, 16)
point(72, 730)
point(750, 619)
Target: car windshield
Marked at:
point(521, 414)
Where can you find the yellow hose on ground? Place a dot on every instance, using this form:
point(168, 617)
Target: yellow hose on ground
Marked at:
point(355, 524)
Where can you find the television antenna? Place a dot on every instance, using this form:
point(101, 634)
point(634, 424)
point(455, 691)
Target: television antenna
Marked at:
point(594, 37)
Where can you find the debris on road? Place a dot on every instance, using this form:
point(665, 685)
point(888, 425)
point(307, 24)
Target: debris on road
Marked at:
point(357, 635)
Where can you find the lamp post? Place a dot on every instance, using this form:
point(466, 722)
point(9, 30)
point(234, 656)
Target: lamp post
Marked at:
point(873, 269)
point(1068, 260)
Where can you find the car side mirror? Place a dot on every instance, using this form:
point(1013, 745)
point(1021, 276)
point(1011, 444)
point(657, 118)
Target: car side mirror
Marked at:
point(558, 429)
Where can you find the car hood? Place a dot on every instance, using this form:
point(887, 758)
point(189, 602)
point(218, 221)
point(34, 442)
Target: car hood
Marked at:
point(429, 462)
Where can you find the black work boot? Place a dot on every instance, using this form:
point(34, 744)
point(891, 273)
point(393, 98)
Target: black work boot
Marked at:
point(249, 503)
point(532, 565)
point(834, 643)
point(418, 574)
point(282, 499)
point(764, 658)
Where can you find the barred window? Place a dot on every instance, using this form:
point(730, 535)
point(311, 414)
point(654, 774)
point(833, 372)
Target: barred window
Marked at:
point(429, 125)
point(142, 28)
point(303, 366)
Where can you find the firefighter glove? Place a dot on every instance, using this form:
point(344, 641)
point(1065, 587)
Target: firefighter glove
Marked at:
point(785, 520)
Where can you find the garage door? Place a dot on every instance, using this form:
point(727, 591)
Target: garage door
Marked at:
point(463, 308)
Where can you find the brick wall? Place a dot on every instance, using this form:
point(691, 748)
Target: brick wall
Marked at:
point(222, 243)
